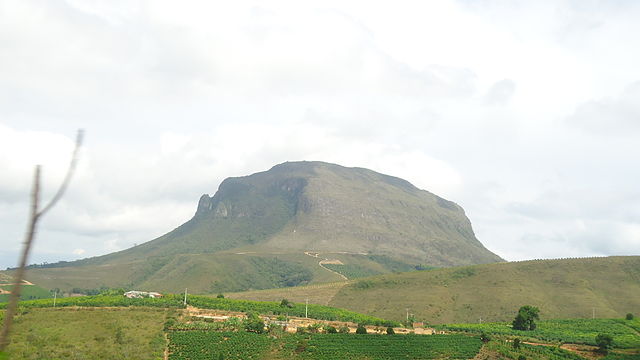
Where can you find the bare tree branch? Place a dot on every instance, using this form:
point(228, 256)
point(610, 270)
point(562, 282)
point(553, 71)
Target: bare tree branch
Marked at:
point(34, 216)
point(67, 178)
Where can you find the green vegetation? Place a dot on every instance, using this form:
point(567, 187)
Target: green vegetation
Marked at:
point(568, 288)
point(526, 318)
point(604, 342)
point(580, 331)
point(530, 352)
point(27, 292)
point(134, 333)
point(247, 306)
point(352, 271)
point(195, 345)
point(296, 309)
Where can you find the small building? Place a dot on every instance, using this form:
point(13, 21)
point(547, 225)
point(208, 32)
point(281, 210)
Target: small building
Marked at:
point(135, 294)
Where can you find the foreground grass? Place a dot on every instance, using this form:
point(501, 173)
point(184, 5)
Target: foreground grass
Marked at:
point(72, 333)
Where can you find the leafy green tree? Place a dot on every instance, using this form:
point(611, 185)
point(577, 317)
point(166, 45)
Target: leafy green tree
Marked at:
point(286, 303)
point(253, 323)
point(525, 320)
point(361, 329)
point(390, 330)
point(604, 342)
point(629, 316)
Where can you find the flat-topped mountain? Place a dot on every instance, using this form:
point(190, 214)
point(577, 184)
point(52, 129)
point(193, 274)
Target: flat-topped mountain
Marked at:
point(255, 230)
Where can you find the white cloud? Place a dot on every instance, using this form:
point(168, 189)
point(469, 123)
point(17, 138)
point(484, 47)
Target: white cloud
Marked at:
point(476, 101)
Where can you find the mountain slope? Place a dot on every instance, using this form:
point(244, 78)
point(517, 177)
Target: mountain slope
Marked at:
point(561, 288)
point(567, 288)
point(258, 224)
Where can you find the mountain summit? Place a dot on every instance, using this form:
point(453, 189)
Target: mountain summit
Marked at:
point(281, 221)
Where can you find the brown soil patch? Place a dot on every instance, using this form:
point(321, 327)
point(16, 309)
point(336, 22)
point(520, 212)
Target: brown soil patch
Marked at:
point(332, 262)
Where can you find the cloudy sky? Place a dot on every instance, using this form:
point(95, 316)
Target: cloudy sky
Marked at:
point(526, 113)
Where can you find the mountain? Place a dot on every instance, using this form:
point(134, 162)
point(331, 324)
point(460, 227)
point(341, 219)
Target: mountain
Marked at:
point(563, 288)
point(266, 230)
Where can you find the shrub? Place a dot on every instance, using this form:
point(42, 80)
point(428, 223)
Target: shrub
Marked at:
point(629, 316)
point(361, 329)
point(390, 331)
point(516, 343)
point(604, 342)
point(330, 329)
point(343, 329)
point(253, 323)
point(220, 296)
point(484, 337)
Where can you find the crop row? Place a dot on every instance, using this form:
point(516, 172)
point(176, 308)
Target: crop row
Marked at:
point(196, 345)
point(582, 331)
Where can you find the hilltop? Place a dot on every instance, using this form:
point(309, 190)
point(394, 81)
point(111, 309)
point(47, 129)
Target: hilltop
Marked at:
point(265, 230)
point(566, 288)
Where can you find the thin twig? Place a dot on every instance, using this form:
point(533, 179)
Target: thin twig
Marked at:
point(67, 178)
point(34, 216)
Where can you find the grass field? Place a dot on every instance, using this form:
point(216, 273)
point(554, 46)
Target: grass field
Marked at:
point(317, 294)
point(127, 333)
point(27, 292)
point(570, 288)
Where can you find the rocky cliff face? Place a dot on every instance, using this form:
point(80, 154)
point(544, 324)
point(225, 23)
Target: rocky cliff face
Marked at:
point(325, 207)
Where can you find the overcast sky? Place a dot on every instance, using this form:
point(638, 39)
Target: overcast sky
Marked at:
point(526, 113)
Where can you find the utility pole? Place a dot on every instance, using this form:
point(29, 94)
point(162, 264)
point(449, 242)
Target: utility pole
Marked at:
point(593, 313)
point(480, 320)
point(306, 307)
point(55, 296)
point(407, 314)
point(185, 297)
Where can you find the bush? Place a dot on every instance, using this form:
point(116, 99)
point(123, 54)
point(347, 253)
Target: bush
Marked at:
point(390, 331)
point(220, 296)
point(604, 342)
point(253, 323)
point(484, 337)
point(330, 329)
point(361, 329)
point(343, 329)
point(629, 316)
point(516, 343)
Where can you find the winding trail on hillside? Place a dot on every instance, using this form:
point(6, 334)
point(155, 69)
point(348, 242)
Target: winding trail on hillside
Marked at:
point(321, 263)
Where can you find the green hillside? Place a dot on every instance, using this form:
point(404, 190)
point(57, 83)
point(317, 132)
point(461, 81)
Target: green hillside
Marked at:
point(254, 233)
point(569, 288)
